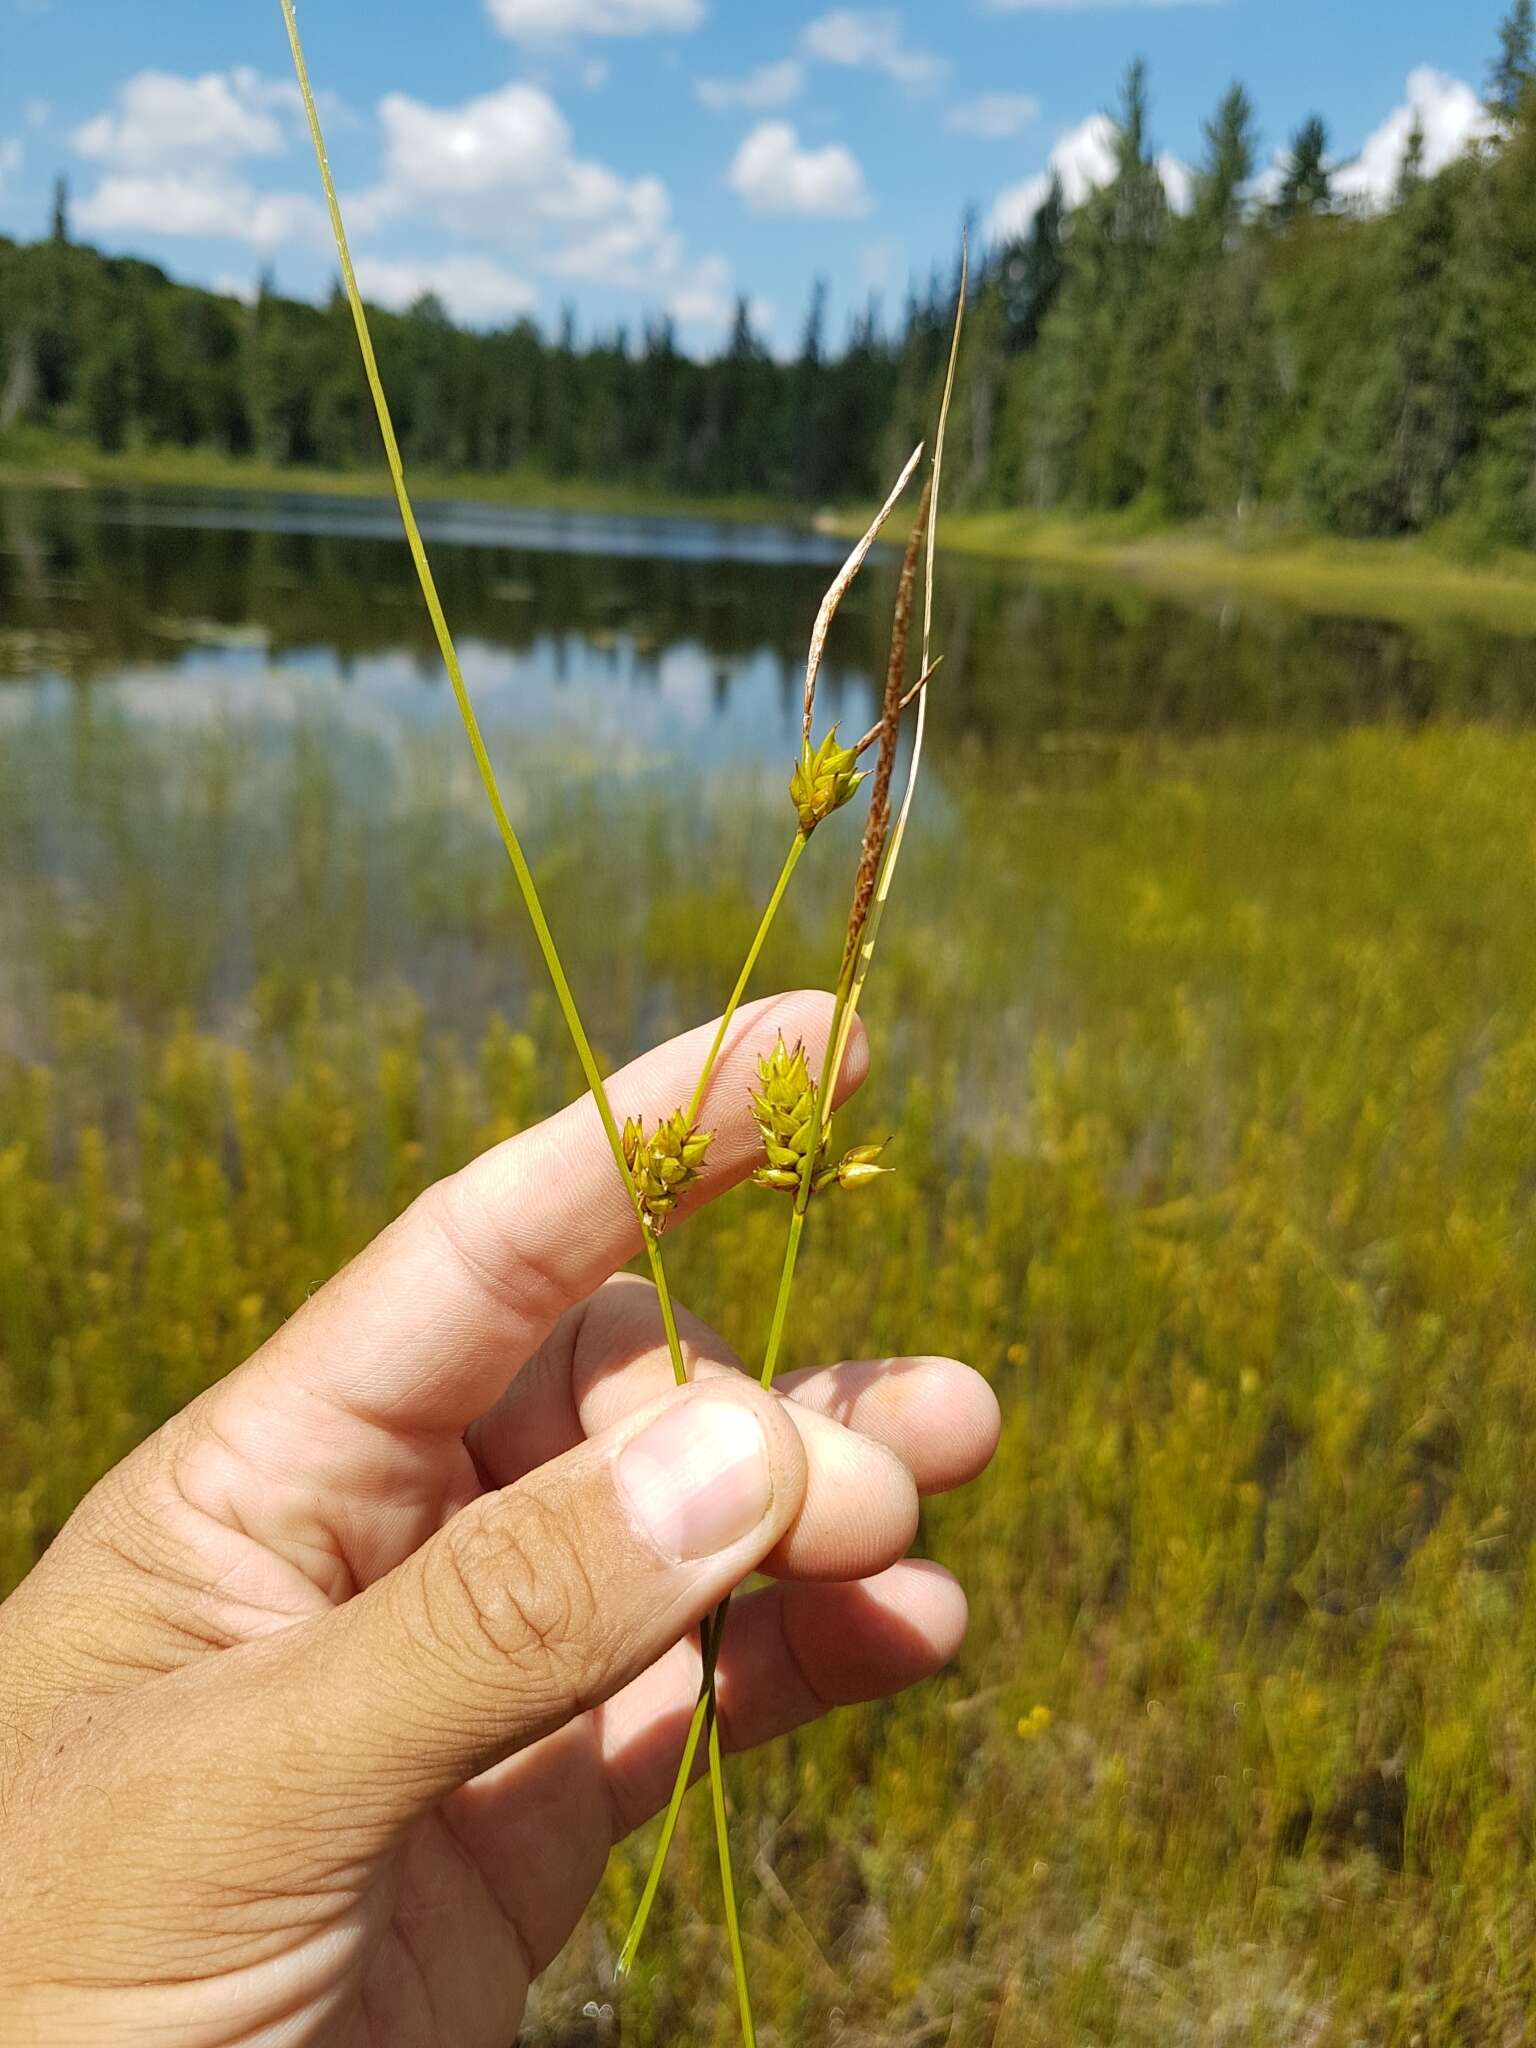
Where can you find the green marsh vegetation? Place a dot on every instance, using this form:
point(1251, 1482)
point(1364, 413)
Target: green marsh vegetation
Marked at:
point(1209, 1045)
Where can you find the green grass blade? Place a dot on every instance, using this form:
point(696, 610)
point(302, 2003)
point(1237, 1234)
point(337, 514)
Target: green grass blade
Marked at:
point(520, 868)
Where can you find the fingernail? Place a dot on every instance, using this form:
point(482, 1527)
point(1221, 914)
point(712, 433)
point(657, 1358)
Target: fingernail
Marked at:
point(697, 1477)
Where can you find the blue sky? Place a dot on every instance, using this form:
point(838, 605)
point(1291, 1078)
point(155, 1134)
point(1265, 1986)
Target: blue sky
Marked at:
point(626, 155)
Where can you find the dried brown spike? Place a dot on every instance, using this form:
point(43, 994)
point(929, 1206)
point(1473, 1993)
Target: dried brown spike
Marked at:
point(839, 589)
point(911, 697)
point(878, 824)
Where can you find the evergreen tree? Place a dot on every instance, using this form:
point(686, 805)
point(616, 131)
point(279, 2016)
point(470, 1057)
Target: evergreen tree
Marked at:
point(59, 212)
point(1230, 149)
point(1306, 185)
point(1515, 65)
point(1031, 270)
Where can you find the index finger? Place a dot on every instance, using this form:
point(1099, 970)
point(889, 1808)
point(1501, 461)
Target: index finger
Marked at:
point(424, 1330)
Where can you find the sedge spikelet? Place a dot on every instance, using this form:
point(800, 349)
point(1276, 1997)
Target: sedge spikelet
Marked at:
point(664, 1165)
point(823, 781)
point(787, 1114)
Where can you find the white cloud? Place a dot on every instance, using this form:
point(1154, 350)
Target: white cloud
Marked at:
point(475, 290)
point(503, 165)
point(502, 169)
point(1084, 160)
point(703, 297)
point(993, 115)
point(543, 21)
point(872, 39)
point(163, 117)
point(771, 85)
point(189, 203)
point(1452, 117)
point(773, 174)
point(171, 147)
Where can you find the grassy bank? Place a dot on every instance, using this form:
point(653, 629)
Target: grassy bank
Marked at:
point(1214, 1069)
point(1414, 583)
point(49, 461)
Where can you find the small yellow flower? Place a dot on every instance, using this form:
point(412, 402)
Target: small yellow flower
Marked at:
point(1034, 1724)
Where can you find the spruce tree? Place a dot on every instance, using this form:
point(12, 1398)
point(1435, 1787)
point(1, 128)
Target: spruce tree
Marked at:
point(1515, 65)
point(1306, 185)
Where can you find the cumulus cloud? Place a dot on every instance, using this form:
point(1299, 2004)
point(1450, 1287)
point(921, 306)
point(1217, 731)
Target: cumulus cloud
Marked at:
point(503, 167)
point(182, 203)
point(171, 148)
point(872, 39)
point(1084, 160)
point(703, 297)
point(993, 115)
point(543, 21)
point(475, 290)
point(771, 85)
point(774, 175)
point(164, 117)
point(1452, 117)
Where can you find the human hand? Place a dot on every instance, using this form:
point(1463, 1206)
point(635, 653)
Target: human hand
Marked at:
point(320, 1717)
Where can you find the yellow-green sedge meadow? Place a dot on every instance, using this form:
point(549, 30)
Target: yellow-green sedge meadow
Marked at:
point(794, 1114)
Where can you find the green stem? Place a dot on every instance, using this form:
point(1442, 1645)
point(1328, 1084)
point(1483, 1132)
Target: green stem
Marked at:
point(684, 1779)
point(664, 1296)
point(781, 1303)
point(765, 925)
point(710, 1639)
point(520, 868)
point(723, 1844)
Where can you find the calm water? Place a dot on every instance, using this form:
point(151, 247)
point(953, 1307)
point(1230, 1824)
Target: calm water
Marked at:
point(648, 641)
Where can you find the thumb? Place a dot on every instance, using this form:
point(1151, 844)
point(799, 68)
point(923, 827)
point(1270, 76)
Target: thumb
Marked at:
point(534, 1604)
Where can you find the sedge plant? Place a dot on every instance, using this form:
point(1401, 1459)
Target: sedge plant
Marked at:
point(659, 1167)
point(793, 1111)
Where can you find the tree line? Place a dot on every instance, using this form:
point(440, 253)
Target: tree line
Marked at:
point(1270, 347)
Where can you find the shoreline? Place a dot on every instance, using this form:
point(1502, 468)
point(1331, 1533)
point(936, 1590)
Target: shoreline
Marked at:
point(1407, 582)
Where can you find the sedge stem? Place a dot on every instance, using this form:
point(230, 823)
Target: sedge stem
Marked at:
point(765, 925)
point(710, 1638)
point(723, 1844)
point(781, 1302)
point(527, 887)
point(637, 1926)
point(714, 1627)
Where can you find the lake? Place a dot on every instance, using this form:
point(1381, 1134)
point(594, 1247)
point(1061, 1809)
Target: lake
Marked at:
point(1205, 1027)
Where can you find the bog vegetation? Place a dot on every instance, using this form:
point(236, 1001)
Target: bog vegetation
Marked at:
point(1369, 374)
point(1220, 1165)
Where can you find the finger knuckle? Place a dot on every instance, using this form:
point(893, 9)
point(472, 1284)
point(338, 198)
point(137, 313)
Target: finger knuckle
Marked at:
point(524, 1599)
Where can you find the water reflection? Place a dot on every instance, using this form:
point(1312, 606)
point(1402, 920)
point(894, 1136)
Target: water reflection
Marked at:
point(650, 639)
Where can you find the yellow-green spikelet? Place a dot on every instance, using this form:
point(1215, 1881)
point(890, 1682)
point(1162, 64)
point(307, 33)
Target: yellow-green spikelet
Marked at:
point(823, 781)
point(785, 1108)
point(664, 1165)
point(786, 1111)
